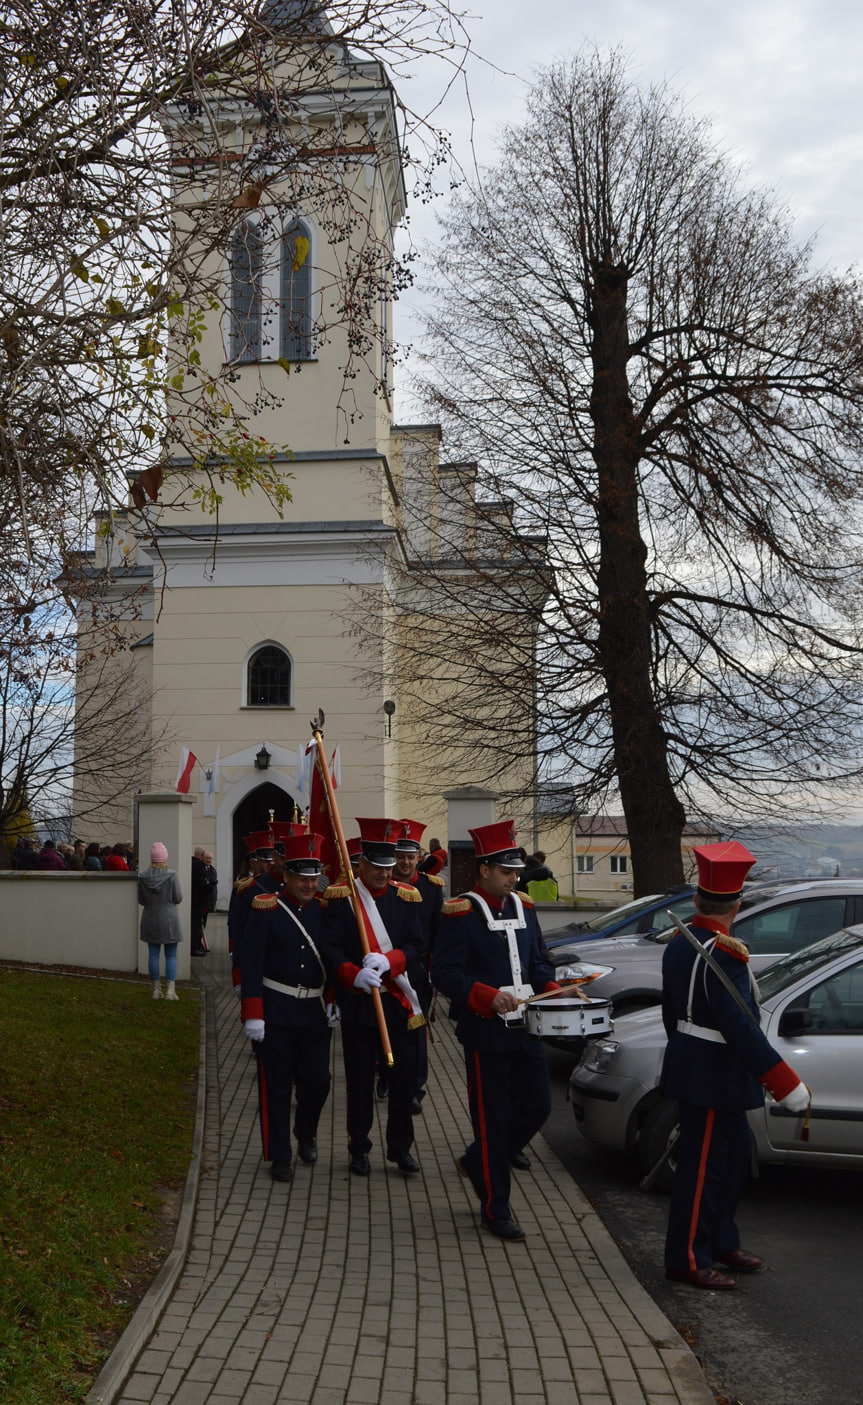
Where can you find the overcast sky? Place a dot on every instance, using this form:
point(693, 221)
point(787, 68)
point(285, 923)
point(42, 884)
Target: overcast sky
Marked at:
point(779, 78)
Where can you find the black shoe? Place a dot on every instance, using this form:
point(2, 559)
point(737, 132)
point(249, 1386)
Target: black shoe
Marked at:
point(519, 1161)
point(416, 1105)
point(308, 1151)
point(383, 1088)
point(405, 1162)
point(504, 1229)
point(360, 1164)
point(282, 1170)
point(462, 1166)
point(198, 951)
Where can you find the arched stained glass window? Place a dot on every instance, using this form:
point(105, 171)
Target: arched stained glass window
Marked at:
point(295, 294)
point(246, 262)
point(269, 678)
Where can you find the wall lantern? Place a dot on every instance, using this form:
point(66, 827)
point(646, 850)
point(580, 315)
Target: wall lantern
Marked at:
point(389, 709)
point(262, 759)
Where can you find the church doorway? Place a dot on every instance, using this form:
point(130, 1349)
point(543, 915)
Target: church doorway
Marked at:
point(254, 813)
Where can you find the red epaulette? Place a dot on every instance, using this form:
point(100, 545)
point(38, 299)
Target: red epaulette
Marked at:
point(526, 899)
point(408, 893)
point(732, 946)
point(265, 902)
point(457, 907)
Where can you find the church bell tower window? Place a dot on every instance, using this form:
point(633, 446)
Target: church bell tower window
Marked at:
point(295, 294)
point(246, 274)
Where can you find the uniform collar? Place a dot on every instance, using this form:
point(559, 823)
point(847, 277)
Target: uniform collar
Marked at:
point(709, 924)
point(496, 904)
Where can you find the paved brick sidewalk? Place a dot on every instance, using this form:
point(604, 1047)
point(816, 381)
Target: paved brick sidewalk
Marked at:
point(338, 1290)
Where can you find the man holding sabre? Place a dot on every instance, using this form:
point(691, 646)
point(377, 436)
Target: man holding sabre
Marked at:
point(717, 1064)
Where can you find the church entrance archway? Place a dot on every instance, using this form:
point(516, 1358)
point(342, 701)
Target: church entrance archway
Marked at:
point(253, 812)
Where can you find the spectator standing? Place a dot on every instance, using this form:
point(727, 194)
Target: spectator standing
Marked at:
point(24, 855)
point(116, 860)
point(49, 860)
point(159, 894)
point(200, 893)
point(92, 861)
point(75, 857)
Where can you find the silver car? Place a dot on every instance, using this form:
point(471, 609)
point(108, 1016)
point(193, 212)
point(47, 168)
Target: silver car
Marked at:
point(775, 918)
point(812, 1013)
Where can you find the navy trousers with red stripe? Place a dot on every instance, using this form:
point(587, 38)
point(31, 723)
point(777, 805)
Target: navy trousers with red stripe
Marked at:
point(509, 1098)
point(713, 1159)
point(292, 1061)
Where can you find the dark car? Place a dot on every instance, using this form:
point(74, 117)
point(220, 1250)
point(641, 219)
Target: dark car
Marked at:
point(642, 916)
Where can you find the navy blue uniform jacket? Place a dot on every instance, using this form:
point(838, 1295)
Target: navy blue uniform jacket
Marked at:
point(343, 953)
point(274, 946)
point(695, 1070)
point(470, 964)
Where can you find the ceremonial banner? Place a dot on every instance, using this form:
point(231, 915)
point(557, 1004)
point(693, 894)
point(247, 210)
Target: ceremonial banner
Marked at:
point(188, 761)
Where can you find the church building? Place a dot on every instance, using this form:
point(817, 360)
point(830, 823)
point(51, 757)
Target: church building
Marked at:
point(243, 617)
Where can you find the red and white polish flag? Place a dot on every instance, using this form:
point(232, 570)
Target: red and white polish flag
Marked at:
point(188, 761)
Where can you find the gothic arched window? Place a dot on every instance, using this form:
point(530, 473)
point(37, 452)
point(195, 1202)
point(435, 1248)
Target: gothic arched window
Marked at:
point(268, 678)
point(246, 263)
point(295, 294)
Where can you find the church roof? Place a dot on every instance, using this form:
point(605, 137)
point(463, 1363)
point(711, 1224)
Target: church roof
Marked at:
point(308, 15)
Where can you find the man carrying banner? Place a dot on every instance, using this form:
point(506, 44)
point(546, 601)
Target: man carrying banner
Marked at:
point(489, 955)
point(283, 1006)
point(430, 889)
point(394, 967)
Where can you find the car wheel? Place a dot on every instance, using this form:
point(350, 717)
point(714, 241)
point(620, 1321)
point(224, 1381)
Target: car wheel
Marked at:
point(653, 1138)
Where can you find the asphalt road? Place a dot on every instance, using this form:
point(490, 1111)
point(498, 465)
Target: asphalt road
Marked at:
point(792, 1336)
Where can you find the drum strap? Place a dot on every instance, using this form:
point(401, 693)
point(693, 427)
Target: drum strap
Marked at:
point(507, 926)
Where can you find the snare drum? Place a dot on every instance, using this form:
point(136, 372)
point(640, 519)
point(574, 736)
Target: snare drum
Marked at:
point(563, 1018)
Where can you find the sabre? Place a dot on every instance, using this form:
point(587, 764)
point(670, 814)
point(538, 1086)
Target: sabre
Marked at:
point(715, 967)
point(356, 902)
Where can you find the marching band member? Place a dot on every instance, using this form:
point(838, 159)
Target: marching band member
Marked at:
point(489, 953)
point(283, 1006)
point(717, 1065)
point(430, 889)
point(393, 966)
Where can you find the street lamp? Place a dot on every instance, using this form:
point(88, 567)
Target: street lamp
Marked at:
point(389, 709)
point(262, 759)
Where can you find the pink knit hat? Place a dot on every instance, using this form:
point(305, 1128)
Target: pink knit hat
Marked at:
point(158, 853)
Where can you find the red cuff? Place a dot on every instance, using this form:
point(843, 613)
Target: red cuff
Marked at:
point(551, 985)
point(236, 976)
point(780, 1080)
point(398, 961)
point(252, 1008)
point(480, 998)
point(347, 974)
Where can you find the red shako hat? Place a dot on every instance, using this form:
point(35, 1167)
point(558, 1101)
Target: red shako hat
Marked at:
point(495, 843)
point(722, 869)
point(378, 839)
point(259, 843)
point(409, 836)
point(303, 852)
point(355, 847)
point(285, 829)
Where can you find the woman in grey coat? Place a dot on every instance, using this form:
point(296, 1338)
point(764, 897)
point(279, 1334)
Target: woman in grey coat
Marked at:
point(159, 894)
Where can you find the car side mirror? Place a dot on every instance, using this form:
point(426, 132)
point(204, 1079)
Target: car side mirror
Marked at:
point(795, 1021)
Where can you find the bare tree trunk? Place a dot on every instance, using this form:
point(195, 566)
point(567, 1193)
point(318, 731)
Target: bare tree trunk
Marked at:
point(654, 815)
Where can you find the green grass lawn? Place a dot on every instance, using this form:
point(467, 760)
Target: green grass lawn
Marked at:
point(97, 1104)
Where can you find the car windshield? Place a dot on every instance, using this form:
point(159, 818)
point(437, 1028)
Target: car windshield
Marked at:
point(629, 911)
point(798, 964)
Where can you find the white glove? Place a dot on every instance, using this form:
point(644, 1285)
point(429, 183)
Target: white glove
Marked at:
point(797, 1100)
point(376, 961)
point(254, 1029)
point(367, 980)
point(334, 1015)
point(238, 991)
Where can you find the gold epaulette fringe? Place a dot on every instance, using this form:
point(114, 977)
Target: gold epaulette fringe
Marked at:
point(527, 900)
point(243, 883)
point(338, 890)
point(416, 1021)
point(410, 895)
point(456, 907)
point(265, 902)
point(433, 878)
point(733, 947)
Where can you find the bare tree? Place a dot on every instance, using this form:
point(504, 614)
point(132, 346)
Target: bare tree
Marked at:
point(114, 115)
point(652, 373)
point(47, 657)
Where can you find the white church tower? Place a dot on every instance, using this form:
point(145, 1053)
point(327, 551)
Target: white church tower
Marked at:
point(243, 616)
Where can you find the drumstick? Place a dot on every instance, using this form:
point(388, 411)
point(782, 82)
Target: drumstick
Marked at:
point(562, 990)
